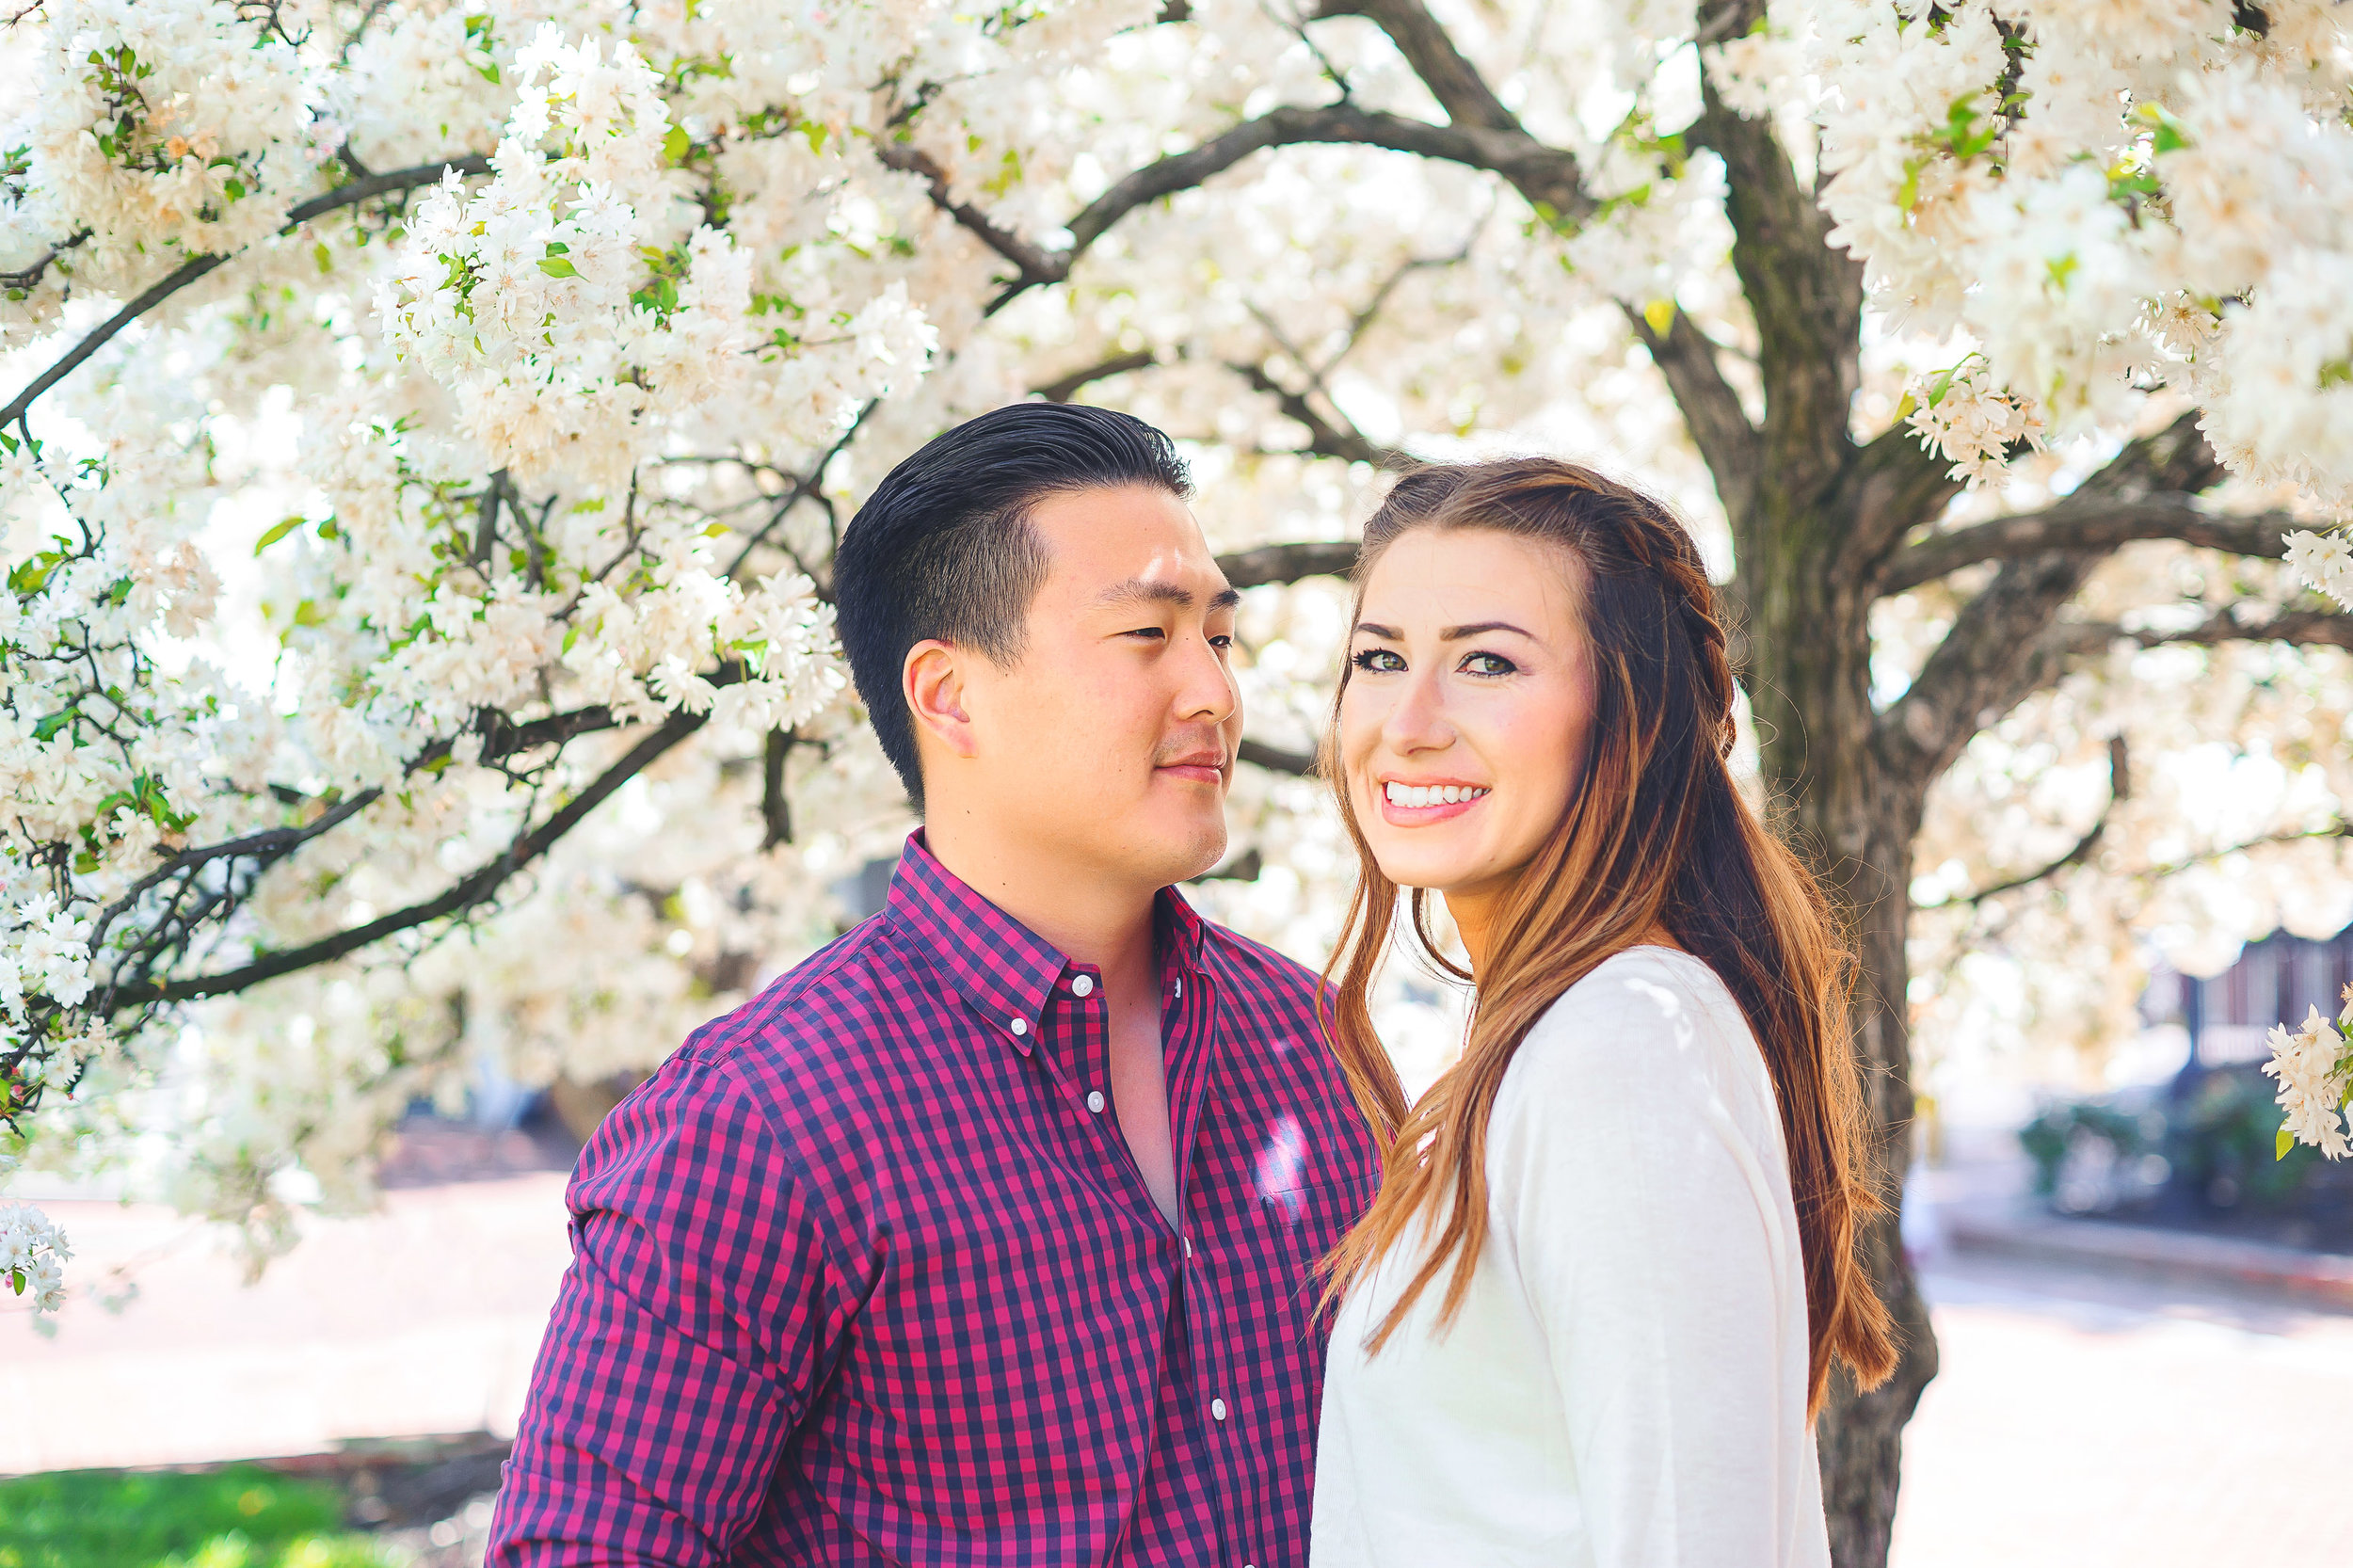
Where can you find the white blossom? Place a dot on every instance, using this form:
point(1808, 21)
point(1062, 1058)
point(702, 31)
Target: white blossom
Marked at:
point(2311, 1066)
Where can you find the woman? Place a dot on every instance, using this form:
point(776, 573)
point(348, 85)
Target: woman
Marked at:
point(1592, 1314)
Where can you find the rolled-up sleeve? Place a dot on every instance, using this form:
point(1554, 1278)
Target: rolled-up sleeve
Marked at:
point(702, 1310)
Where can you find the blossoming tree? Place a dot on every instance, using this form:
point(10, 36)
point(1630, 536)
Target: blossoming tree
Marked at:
point(430, 427)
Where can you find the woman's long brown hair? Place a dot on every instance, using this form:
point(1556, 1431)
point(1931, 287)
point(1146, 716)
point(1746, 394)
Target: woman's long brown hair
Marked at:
point(1656, 836)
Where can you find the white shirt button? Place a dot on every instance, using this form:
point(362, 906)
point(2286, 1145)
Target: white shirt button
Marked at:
point(1019, 1026)
point(1180, 986)
point(1082, 987)
point(1217, 1409)
point(1095, 1101)
point(1188, 1243)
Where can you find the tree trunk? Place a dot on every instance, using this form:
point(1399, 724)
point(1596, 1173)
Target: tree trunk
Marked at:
point(1861, 1435)
point(1853, 816)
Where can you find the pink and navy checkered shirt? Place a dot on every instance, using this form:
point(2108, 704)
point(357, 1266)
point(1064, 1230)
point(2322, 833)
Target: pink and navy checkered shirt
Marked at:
point(865, 1274)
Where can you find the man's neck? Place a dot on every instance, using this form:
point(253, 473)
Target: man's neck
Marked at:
point(1091, 918)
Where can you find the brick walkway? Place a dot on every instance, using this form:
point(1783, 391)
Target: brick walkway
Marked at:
point(2082, 1419)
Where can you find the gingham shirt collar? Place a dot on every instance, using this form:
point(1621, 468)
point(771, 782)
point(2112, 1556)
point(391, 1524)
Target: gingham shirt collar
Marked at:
point(1002, 969)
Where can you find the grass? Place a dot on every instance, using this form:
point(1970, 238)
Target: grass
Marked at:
point(238, 1517)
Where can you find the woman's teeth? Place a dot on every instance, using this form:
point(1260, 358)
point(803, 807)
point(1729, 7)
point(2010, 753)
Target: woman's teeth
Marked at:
point(1429, 795)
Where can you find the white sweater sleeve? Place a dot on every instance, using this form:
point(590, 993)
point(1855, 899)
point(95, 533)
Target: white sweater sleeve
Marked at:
point(1647, 1207)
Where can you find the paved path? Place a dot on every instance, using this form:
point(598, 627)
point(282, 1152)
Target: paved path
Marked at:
point(419, 1320)
point(2086, 1419)
point(2082, 1419)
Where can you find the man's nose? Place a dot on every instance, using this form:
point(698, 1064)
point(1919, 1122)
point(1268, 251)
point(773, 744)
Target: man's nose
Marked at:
point(1208, 692)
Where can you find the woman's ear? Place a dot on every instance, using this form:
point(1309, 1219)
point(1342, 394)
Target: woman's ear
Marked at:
point(931, 680)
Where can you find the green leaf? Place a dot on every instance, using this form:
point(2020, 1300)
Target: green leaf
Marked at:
point(2283, 1141)
point(557, 266)
point(325, 257)
point(676, 145)
point(278, 531)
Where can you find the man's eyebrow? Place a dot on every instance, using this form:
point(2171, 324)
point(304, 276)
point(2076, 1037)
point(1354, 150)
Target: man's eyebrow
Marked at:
point(1226, 599)
point(1143, 590)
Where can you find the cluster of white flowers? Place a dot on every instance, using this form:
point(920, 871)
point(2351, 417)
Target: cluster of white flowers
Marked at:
point(2107, 200)
point(33, 1255)
point(1962, 414)
point(2314, 1065)
point(156, 129)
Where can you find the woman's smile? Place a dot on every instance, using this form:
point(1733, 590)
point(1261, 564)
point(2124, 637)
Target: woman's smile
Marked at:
point(1421, 804)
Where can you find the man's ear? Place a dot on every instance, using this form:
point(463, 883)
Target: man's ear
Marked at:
point(931, 680)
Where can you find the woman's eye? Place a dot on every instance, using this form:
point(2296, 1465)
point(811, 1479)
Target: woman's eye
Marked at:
point(1381, 660)
point(1487, 664)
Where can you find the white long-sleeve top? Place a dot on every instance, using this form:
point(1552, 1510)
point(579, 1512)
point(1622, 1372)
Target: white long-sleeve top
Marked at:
point(1625, 1383)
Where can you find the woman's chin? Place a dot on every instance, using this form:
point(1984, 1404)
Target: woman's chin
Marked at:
point(1418, 868)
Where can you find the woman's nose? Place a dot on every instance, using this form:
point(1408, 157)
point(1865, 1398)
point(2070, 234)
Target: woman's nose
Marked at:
point(1418, 720)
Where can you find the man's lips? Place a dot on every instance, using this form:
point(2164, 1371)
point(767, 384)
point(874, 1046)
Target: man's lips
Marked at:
point(1206, 767)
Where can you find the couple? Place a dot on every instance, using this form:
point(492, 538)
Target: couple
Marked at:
point(1012, 1228)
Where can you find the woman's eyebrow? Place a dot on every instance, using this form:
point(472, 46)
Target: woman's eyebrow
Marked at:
point(1385, 632)
point(1456, 633)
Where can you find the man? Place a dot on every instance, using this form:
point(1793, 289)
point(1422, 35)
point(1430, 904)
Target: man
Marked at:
point(987, 1235)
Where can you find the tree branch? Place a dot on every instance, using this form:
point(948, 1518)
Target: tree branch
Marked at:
point(1324, 438)
point(1259, 755)
point(1806, 296)
point(1543, 174)
point(189, 272)
point(1719, 427)
point(460, 897)
point(2087, 524)
point(1063, 389)
point(1032, 265)
point(1451, 79)
point(2307, 627)
point(2004, 646)
point(2120, 790)
point(1288, 563)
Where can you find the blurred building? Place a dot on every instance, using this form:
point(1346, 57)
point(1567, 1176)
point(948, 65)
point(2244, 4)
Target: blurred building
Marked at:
point(2275, 980)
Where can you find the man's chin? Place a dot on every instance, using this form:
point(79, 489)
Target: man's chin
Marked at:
point(1180, 852)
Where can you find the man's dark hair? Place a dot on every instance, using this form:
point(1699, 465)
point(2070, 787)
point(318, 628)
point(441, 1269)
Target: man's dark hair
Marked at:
point(944, 547)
